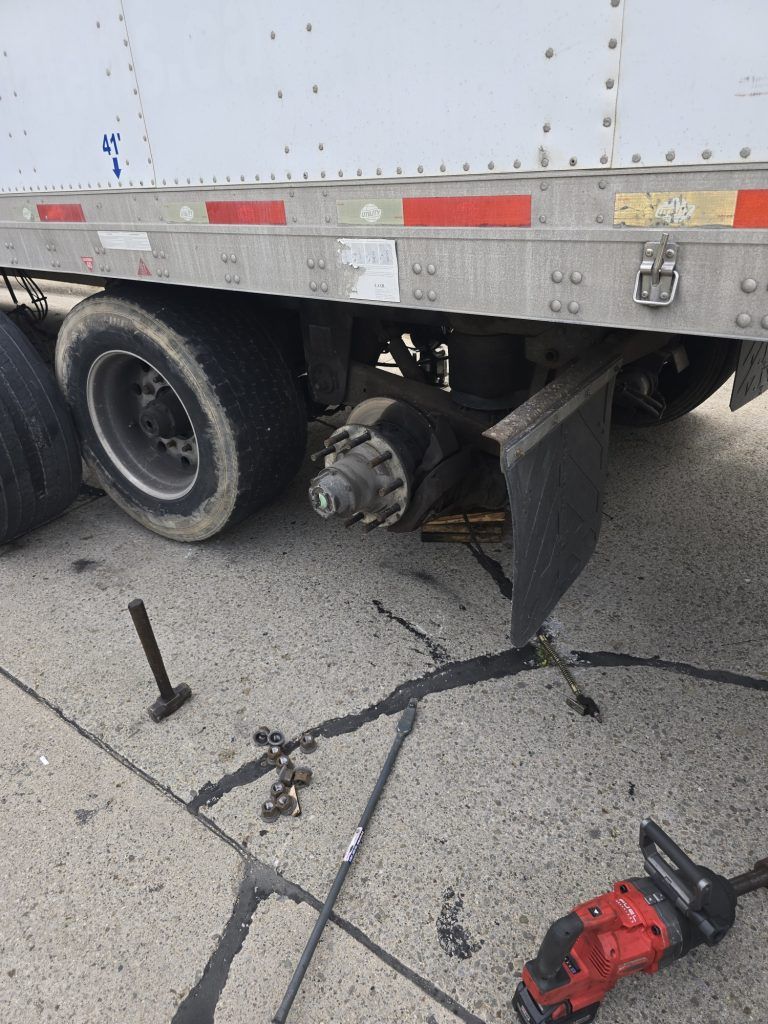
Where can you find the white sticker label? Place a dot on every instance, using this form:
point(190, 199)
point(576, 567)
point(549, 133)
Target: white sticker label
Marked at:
point(370, 268)
point(135, 241)
point(354, 842)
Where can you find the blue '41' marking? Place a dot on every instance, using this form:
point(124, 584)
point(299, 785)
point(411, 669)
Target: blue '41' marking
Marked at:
point(109, 145)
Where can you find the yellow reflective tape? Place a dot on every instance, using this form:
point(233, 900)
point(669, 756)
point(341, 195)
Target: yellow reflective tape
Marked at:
point(675, 209)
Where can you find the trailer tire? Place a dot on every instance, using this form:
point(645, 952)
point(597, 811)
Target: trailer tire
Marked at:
point(40, 466)
point(711, 363)
point(150, 377)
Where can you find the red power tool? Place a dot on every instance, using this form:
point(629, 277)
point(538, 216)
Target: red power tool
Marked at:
point(642, 925)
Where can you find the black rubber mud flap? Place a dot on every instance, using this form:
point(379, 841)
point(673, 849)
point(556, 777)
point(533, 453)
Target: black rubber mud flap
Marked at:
point(554, 453)
point(751, 377)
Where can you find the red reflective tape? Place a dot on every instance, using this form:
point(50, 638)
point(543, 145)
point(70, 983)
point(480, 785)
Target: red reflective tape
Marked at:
point(69, 213)
point(265, 211)
point(468, 211)
point(751, 208)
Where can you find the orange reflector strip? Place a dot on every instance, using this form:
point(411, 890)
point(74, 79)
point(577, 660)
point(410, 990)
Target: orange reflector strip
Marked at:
point(266, 211)
point(67, 213)
point(468, 211)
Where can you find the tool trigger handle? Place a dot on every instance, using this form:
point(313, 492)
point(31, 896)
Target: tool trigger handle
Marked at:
point(555, 946)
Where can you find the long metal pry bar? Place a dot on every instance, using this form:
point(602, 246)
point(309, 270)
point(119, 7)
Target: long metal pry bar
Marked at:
point(404, 726)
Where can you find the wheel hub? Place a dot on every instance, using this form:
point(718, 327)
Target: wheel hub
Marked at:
point(142, 425)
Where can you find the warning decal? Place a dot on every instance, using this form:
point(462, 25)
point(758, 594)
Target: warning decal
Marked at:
point(143, 270)
point(88, 261)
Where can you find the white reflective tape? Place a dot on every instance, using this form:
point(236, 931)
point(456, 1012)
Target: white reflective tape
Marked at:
point(135, 241)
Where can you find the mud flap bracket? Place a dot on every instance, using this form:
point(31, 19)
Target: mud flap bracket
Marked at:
point(554, 452)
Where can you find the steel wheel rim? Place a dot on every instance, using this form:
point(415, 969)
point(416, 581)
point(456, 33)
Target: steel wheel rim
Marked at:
point(143, 425)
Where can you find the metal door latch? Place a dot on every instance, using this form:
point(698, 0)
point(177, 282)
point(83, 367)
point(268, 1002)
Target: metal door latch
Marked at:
point(657, 279)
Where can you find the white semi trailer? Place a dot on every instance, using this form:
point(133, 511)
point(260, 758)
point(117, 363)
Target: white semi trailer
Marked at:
point(562, 207)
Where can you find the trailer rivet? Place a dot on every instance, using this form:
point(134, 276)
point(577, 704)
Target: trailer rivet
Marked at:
point(491, 165)
point(542, 219)
point(644, 295)
point(232, 258)
point(323, 287)
point(309, 26)
point(745, 152)
point(516, 163)
point(431, 268)
point(399, 170)
point(557, 276)
point(606, 122)
point(649, 252)
point(271, 35)
point(706, 154)
point(664, 296)
point(313, 286)
point(764, 323)
point(228, 278)
point(465, 166)
point(416, 268)
point(555, 305)
point(321, 263)
point(327, 218)
point(224, 257)
point(314, 88)
point(547, 127)
point(418, 293)
point(341, 173)
point(615, 3)
point(743, 320)
point(599, 218)
point(573, 307)
point(305, 175)
point(442, 167)
point(311, 263)
point(609, 83)
point(612, 44)
point(431, 295)
point(669, 253)
point(279, 94)
point(549, 52)
point(378, 170)
point(420, 169)
point(576, 277)
point(670, 155)
point(545, 161)
point(603, 159)
point(237, 279)
point(749, 284)
point(544, 186)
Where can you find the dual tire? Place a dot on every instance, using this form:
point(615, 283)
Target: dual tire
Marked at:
point(40, 468)
point(189, 416)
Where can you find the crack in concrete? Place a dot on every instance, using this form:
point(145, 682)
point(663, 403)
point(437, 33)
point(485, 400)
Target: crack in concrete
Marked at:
point(613, 659)
point(437, 652)
point(267, 882)
point(448, 677)
point(199, 1005)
